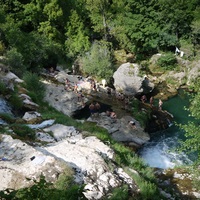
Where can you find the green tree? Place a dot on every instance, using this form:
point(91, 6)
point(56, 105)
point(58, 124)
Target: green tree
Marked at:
point(100, 16)
point(192, 129)
point(98, 61)
point(77, 40)
point(15, 61)
point(136, 28)
point(175, 20)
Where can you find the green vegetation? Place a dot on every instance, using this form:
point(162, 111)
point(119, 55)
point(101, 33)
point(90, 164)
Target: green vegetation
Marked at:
point(16, 101)
point(37, 34)
point(35, 86)
point(98, 62)
point(43, 190)
point(23, 131)
point(15, 60)
point(192, 129)
point(42, 34)
point(167, 61)
point(192, 134)
point(7, 117)
point(3, 89)
point(120, 193)
point(141, 116)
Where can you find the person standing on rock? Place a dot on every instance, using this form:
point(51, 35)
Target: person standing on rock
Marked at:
point(143, 98)
point(76, 88)
point(92, 109)
point(151, 101)
point(97, 107)
point(132, 124)
point(81, 98)
point(160, 103)
point(67, 84)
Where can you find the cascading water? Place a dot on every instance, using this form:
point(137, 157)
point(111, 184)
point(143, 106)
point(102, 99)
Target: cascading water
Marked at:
point(161, 151)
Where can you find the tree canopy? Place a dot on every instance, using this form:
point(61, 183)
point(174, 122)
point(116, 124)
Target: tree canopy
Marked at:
point(71, 27)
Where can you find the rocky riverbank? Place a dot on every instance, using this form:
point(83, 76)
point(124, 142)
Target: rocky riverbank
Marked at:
point(59, 147)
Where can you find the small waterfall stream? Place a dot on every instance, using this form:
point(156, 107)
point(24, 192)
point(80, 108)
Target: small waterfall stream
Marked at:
point(161, 151)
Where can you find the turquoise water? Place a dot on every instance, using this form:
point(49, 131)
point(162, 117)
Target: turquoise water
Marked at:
point(161, 150)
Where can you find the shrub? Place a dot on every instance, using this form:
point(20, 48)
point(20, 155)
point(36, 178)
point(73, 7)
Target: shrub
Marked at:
point(167, 61)
point(2, 48)
point(34, 86)
point(148, 190)
point(98, 62)
point(16, 101)
point(3, 89)
point(15, 61)
point(120, 193)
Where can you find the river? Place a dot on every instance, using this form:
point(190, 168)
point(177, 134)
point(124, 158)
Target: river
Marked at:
point(161, 151)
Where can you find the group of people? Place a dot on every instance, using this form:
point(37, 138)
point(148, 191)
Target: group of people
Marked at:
point(75, 88)
point(119, 96)
point(151, 101)
point(94, 108)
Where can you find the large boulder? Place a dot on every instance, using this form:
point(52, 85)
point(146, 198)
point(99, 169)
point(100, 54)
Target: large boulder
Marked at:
point(64, 101)
point(128, 80)
point(20, 161)
point(121, 130)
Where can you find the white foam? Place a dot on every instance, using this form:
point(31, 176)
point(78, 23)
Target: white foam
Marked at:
point(161, 154)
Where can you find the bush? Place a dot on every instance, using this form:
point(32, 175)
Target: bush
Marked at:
point(34, 86)
point(167, 61)
point(15, 61)
point(16, 101)
point(2, 48)
point(120, 193)
point(98, 62)
point(3, 89)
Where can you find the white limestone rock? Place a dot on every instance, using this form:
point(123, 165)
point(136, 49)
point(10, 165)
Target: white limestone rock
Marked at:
point(128, 80)
point(32, 117)
point(61, 131)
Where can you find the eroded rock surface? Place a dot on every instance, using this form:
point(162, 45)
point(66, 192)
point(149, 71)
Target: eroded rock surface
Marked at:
point(121, 130)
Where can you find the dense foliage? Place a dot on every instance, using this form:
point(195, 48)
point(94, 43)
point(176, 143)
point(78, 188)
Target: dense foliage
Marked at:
point(192, 129)
point(37, 34)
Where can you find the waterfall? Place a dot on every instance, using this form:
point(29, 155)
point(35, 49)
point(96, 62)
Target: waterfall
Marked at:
point(161, 151)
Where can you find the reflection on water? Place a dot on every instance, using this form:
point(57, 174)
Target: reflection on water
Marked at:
point(161, 150)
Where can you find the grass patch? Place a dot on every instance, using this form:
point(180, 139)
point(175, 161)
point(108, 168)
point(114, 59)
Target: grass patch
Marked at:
point(23, 131)
point(120, 193)
point(35, 87)
point(16, 101)
point(43, 190)
point(7, 118)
